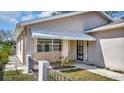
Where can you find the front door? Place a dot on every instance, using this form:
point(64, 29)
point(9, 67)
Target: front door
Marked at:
point(80, 50)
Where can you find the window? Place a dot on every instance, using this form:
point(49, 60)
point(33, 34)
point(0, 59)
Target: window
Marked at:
point(44, 45)
point(56, 45)
point(47, 45)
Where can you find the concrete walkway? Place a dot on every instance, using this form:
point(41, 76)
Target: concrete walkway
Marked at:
point(102, 71)
point(12, 64)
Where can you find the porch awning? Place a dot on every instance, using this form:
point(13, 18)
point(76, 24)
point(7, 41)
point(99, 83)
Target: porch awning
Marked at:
point(62, 35)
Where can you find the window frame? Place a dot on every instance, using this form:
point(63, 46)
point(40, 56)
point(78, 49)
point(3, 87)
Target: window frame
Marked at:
point(52, 45)
point(57, 44)
point(44, 44)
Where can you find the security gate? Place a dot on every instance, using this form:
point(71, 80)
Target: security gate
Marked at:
point(80, 50)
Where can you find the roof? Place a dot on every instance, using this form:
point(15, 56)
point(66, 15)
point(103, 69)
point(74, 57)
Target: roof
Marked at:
point(107, 27)
point(20, 26)
point(61, 35)
point(62, 16)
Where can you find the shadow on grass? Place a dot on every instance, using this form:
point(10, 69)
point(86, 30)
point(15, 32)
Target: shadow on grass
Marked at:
point(63, 67)
point(16, 76)
point(1, 75)
point(72, 70)
point(6, 75)
point(1, 72)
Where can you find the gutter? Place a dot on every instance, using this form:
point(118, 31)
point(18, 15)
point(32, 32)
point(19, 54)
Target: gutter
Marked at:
point(106, 28)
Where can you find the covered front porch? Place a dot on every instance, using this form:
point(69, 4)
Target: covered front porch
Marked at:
point(52, 46)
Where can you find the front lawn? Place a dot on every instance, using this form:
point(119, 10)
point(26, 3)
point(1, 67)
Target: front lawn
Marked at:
point(16, 76)
point(83, 75)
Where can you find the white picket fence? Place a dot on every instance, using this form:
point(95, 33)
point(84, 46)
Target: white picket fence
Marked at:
point(54, 75)
point(44, 71)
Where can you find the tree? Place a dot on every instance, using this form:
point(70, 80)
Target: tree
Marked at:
point(117, 15)
point(6, 46)
point(111, 13)
point(7, 36)
point(60, 12)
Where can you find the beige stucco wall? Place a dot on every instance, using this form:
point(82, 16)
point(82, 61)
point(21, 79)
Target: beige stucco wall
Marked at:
point(34, 41)
point(69, 49)
point(49, 56)
point(27, 47)
point(73, 50)
point(29, 43)
point(20, 48)
point(108, 50)
point(65, 48)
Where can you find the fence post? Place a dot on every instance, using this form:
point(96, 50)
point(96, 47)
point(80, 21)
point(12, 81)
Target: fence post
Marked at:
point(43, 70)
point(27, 64)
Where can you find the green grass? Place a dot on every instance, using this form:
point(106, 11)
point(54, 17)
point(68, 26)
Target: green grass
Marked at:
point(16, 76)
point(83, 75)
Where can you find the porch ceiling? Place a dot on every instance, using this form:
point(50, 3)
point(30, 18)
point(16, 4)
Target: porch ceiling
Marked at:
point(62, 35)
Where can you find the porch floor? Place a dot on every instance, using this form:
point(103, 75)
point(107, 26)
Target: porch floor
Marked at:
point(102, 71)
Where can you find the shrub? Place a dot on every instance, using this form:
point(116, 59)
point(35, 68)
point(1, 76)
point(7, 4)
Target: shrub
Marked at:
point(4, 57)
point(64, 61)
point(12, 51)
point(4, 54)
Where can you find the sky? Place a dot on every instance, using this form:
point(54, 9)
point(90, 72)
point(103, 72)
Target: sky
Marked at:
point(9, 19)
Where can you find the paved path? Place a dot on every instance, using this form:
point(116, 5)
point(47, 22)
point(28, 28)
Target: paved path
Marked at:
point(102, 71)
point(12, 64)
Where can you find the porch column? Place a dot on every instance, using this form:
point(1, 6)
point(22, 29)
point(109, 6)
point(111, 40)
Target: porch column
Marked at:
point(65, 48)
point(85, 51)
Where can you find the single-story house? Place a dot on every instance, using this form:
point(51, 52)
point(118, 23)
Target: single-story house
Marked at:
point(91, 37)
